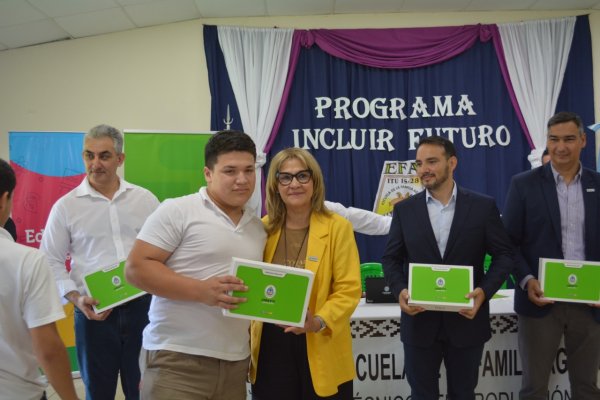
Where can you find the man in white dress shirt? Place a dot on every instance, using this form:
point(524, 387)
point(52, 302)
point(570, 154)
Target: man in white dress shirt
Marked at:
point(363, 221)
point(96, 223)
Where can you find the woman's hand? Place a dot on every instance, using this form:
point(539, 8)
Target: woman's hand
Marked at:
point(311, 324)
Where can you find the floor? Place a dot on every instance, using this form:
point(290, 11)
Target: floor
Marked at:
point(80, 388)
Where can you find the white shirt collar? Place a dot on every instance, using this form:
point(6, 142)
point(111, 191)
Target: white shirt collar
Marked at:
point(429, 197)
point(206, 198)
point(85, 189)
point(208, 202)
point(558, 177)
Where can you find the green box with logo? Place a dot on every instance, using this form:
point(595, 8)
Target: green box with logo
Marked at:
point(109, 287)
point(276, 293)
point(570, 280)
point(440, 287)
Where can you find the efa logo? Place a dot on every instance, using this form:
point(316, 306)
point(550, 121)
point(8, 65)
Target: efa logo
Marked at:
point(572, 278)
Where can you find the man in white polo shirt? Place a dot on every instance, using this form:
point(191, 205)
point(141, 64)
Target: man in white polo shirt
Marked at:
point(182, 256)
point(29, 307)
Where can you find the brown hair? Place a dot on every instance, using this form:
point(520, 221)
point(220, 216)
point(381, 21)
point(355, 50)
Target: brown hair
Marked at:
point(275, 207)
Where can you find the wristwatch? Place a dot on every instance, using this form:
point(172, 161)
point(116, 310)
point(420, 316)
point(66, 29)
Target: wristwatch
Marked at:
point(321, 323)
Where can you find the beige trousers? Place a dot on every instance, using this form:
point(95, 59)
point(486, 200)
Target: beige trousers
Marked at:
point(170, 375)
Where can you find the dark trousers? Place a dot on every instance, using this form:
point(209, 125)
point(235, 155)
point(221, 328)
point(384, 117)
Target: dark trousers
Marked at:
point(539, 339)
point(422, 365)
point(111, 347)
point(283, 371)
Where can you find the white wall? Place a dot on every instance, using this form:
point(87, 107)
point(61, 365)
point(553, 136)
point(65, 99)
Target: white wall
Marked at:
point(156, 78)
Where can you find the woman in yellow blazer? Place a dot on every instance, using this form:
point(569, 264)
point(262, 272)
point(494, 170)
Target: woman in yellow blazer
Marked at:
point(315, 361)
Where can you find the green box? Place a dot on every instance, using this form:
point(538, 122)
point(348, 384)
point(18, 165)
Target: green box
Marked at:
point(276, 294)
point(570, 280)
point(440, 287)
point(109, 287)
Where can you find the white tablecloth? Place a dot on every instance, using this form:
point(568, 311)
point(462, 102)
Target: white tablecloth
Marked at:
point(379, 357)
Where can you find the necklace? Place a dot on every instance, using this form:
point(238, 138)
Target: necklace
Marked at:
point(299, 250)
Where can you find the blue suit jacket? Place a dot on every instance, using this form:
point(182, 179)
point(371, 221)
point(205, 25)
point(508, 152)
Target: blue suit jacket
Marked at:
point(532, 218)
point(475, 230)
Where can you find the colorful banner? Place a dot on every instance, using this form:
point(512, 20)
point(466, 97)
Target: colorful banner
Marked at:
point(168, 163)
point(48, 165)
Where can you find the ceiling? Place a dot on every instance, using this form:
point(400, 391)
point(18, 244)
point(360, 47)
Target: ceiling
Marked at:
point(30, 22)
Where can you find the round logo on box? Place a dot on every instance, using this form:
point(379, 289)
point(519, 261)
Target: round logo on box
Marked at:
point(116, 280)
point(440, 282)
point(270, 291)
point(572, 279)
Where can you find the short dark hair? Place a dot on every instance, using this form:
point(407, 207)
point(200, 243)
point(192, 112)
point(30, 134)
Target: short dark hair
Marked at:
point(566, 116)
point(8, 180)
point(226, 142)
point(448, 146)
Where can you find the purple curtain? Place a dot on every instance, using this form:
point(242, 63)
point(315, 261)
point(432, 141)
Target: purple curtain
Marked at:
point(394, 48)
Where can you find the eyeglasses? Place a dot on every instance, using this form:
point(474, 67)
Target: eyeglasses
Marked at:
point(285, 178)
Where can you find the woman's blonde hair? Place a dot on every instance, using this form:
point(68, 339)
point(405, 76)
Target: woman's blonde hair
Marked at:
point(275, 207)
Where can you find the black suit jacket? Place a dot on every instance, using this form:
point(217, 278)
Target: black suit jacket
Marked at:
point(476, 229)
point(532, 218)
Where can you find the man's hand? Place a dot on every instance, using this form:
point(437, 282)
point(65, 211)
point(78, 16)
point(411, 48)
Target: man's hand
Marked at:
point(84, 304)
point(478, 296)
point(215, 291)
point(311, 324)
point(536, 294)
point(405, 307)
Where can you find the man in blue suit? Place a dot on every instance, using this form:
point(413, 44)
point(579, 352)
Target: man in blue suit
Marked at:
point(552, 212)
point(445, 224)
